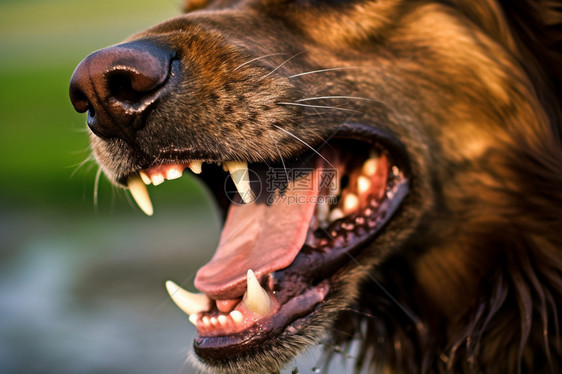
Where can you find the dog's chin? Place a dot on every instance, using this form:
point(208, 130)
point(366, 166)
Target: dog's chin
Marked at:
point(292, 233)
point(274, 352)
point(277, 351)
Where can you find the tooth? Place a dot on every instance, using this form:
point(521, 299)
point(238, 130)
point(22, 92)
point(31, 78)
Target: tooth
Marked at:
point(336, 214)
point(256, 298)
point(193, 319)
point(190, 303)
point(140, 194)
point(222, 319)
point(240, 176)
point(173, 174)
point(363, 184)
point(370, 167)
point(145, 178)
point(157, 179)
point(196, 166)
point(206, 321)
point(236, 316)
point(214, 321)
point(350, 203)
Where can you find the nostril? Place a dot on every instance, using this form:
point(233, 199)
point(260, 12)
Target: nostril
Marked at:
point(121, 88)
point(130, 86)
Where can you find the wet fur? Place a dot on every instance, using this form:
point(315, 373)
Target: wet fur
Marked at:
point(467, 277)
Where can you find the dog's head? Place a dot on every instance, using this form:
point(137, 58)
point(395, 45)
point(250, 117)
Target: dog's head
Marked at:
point(362, 151)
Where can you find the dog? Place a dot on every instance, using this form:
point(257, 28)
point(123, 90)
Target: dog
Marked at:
point(390, 174)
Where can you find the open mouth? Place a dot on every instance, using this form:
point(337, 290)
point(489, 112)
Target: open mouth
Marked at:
point(291, 225)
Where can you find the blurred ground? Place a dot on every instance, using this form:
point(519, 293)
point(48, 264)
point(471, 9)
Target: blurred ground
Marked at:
point(82, 284)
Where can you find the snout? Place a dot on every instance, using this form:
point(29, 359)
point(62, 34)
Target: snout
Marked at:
point(119, 85)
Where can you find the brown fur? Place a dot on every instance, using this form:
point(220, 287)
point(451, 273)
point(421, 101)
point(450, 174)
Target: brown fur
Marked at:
point(467, 277)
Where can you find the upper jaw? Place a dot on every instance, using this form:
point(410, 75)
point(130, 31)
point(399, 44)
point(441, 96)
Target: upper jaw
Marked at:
point(170, 166)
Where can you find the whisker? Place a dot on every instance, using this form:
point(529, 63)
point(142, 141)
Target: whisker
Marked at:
point(334, 348)
point(96, 187)
point(281, 64)
point(323, 71)
point(377, 91)
point(305, 143)
point(81, 164)
point(320, 106)
point(258, 58)
point(319, 115)
point(283, 162)
point(356, 311)
point(338, 97)
point(121, 192)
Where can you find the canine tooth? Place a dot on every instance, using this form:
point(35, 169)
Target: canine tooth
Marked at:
point(196, 166)
point(190, 303)
point(206, 321)
point(157, 179)
point(193, 319)
point(222, 319)
point(363, 184)
point(145, 178)
point(336, 214)
point(236, 316)
point(240, 176)
point(214, 321)
point(370, 167)
point(140, 194)
point(350, 203)
point(173, 174)
point(256, 298)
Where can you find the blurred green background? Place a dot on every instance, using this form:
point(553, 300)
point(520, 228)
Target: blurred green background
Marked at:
point(82, 283)
point(42, 139)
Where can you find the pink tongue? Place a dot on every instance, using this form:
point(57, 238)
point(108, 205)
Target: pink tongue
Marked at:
point(259, 237)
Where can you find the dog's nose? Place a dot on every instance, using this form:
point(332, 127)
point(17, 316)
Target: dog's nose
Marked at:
point(118, 85)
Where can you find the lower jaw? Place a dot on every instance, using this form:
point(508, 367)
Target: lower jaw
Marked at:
point(289, 320)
